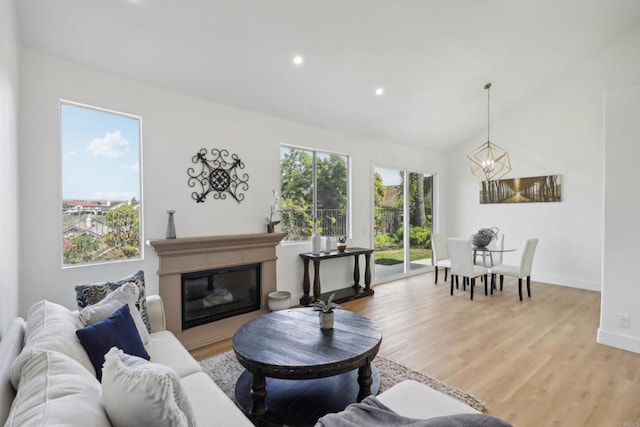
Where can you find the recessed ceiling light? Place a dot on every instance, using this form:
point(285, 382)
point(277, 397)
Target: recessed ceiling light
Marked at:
point(379, 91)
point(298, 60)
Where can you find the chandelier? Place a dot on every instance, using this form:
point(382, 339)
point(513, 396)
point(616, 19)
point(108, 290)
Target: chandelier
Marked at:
point(489, 162)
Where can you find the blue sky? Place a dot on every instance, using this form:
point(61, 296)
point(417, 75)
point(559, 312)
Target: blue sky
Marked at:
point(390, 176)
point(100, 154)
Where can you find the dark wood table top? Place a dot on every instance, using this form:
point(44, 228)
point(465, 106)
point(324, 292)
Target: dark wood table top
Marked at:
point(336, 254)
point(290, 344)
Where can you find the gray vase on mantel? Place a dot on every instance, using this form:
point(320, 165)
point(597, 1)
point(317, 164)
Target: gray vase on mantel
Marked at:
point(171, 227)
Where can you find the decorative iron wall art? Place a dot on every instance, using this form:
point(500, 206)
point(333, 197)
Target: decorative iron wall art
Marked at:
point(521, 190)
point(218, 175)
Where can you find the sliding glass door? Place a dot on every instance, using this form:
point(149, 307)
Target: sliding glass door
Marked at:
point(420, 220)
point(403, 221)
point(389, 222)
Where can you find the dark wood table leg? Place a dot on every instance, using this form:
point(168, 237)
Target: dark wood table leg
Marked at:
point(302, 402)
point(365, 381)
point(306, 284)
point(356, 271)
point(367, 271)
point(258, 394)
point(316, 279)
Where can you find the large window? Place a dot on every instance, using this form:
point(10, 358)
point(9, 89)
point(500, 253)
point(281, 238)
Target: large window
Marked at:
point(314, 189)
point(100, 185)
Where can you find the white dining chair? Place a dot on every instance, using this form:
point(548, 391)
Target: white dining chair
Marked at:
point(461, 256)
point(519, 271)
point(440, 254)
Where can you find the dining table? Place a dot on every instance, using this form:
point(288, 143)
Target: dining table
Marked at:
point(489, 250)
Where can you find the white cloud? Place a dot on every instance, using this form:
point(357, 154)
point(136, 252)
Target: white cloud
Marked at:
point(112, 145)
point(69, 155)
point(135, 167)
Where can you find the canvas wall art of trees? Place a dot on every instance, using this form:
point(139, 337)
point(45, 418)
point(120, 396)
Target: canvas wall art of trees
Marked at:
point(534, 189)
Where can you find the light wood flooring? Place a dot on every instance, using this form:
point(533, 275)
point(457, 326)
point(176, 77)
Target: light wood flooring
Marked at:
point(534, 363)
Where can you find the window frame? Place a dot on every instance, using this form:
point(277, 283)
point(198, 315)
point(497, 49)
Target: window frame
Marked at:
point(314, 183)
point(141, 246)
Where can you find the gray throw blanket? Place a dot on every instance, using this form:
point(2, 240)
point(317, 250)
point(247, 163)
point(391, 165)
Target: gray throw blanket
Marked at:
point(372, 413)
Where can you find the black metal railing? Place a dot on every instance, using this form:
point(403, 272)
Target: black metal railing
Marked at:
point(299, 225)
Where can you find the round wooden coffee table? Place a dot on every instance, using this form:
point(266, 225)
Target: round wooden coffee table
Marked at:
point(297, 372)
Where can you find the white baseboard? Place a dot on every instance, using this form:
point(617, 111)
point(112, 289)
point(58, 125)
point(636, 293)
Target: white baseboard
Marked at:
point(617, 340)
point(567, 281)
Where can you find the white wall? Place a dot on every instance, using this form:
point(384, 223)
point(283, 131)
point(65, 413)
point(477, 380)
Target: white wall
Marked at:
point(620, 290)
point(174, 127)
point(8, 163)
point(557, 130)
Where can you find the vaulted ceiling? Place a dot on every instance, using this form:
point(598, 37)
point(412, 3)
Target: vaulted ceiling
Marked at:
point(432, 57)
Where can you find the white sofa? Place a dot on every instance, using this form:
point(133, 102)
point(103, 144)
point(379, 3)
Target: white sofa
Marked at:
point(211, 407)
point(76, 396)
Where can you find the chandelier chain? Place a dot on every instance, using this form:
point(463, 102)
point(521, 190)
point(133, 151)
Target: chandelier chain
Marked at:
point(488, 87)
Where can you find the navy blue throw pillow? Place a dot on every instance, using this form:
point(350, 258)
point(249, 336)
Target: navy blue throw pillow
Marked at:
point(119, 331)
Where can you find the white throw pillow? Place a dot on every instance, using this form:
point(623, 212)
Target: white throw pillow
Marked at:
point(125, 294)
point(140, 393)
point(55, 390)
point(51, 326)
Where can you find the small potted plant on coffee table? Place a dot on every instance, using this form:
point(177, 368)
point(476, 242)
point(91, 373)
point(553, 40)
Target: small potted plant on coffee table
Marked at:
point(326, 311)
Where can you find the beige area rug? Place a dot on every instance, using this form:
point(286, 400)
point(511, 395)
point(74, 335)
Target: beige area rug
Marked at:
point(224, 369)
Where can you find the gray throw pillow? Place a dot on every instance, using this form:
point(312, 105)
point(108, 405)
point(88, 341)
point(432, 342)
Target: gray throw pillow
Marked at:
point(125, 294)
point(95, 292)
point(373, 413)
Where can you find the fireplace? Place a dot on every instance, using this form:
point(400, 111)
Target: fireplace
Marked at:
point(216, 294)
point(191, 256)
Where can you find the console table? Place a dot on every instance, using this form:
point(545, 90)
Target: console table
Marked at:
point(344, 294)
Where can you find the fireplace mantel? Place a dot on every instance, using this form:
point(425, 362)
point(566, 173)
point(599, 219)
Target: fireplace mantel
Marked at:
point(190, 254)
point(194, 245)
